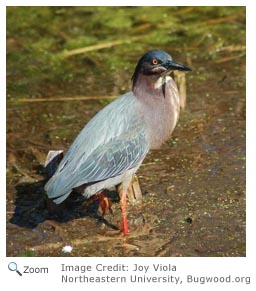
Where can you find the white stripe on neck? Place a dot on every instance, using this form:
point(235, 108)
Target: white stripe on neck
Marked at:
point(161, 81)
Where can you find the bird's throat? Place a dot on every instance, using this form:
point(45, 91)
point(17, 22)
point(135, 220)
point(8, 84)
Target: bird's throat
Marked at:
point(161, 81)
point(152, 86)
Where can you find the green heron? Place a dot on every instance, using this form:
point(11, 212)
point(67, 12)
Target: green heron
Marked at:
point(113, 144)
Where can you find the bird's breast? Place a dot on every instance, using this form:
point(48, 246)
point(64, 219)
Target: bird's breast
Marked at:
point(162, 112)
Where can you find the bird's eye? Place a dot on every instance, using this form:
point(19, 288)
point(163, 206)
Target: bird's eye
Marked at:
point(155, 62)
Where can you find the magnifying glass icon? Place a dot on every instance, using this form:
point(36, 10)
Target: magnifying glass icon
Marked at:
point(13, 267)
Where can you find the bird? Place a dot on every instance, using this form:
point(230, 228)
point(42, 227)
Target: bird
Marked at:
point(113, 144)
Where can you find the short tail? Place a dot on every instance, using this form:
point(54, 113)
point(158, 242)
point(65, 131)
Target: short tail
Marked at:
point(52, 192)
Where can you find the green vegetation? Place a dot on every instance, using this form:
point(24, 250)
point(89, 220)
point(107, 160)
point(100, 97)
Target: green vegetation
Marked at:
point(38, 37)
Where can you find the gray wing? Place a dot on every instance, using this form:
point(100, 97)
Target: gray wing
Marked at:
point(107, 161)
point(113, 159)
point(113, 142)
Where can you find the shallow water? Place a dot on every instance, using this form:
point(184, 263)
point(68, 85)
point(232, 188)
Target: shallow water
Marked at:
point(193, 187)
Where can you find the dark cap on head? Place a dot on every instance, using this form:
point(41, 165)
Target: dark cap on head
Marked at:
point(156, 62)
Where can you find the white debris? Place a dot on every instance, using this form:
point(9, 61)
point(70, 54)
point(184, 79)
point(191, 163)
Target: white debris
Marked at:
point(67, 249)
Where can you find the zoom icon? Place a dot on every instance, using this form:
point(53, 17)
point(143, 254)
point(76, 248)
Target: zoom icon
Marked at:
point(13, 267)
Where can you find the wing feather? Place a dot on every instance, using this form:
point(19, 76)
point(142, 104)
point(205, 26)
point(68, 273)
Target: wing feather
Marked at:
point(113, 159)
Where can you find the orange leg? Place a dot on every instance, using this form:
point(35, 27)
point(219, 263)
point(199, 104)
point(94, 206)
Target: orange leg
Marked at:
point(104, 202)
point(124, 214)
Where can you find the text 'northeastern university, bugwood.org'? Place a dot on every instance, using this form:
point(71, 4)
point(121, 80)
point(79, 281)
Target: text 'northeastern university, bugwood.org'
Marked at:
point(152, 273)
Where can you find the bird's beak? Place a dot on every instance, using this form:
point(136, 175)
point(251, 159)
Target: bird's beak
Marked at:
point(172, 66)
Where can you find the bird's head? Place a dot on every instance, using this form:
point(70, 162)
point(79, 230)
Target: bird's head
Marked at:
point(156, 63)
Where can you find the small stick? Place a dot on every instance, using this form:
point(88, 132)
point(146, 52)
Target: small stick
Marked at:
point(99, 46)
point(58, 99)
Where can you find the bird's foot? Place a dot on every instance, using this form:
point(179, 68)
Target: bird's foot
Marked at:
point(103, 201)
